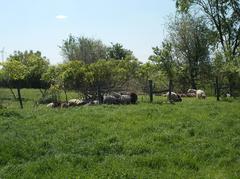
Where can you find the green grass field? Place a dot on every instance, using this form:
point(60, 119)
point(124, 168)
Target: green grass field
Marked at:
point(192, 139)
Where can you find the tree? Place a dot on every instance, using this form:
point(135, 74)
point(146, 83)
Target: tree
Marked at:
point(150, 71)
point(73, 75)
point(218, 67)
point(224, 18)
point(103, 74)
point(126, 72)
point(163, 57)
point(17, 72)
point(190, 39)
point(84, 49)
point(116, 51)
point(51, 78)
point(36, 65)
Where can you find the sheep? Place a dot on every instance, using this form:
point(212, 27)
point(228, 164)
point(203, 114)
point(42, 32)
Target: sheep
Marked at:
point(76, 102)
point(174, 97)
point(191, 94)
point(50, 105)
point(228, 95)
point(110, 99)
point(134, 98)
point(54, 104)
point(125, 99)
point(200, 94)
point(120, 98)
point(192, 91)
point(182, 95)
point(65, 105)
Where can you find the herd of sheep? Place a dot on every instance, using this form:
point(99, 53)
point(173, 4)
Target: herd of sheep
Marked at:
point(111, 98)
point(125, 98)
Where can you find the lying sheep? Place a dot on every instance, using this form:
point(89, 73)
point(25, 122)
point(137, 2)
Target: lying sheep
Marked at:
point(174, 97)
point(120, 98)
point(65, 105)
point(54, 104)
point(182, 95)
point(125, 99)
point(192, 91)
point(76, 102)
point(191, 94)
point(134, 98)
point(110, 99)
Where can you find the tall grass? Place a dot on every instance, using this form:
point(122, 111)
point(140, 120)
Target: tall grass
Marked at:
point(192, 139)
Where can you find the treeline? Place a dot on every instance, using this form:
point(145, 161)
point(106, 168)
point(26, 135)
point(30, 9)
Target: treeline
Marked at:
point(201, 50)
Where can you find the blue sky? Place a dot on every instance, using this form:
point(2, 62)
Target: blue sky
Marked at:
point(42, 24)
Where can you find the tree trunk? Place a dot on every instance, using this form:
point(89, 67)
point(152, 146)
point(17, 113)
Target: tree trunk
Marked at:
point(191, 73)
point(14, 96)
point(19, 97)
point(193, 83)
point(151, 91)
point(66, 97)
point(217, 89)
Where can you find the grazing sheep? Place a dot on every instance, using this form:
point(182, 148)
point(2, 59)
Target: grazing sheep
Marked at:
point(200, 94)
point(228, 95)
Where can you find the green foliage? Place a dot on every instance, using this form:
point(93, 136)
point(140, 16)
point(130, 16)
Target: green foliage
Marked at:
point(189, 36)
point(112, 74)
point(72, 75)
point(149, 71)
point(103, 73)
point(224, 17)
point(116, 51)
point(55, 91)
point(86, 78)
point(163, 57)
point(51, 75)
point(184, 5)
point(83, 49)
point(218, 63)
point(34, 62)
point(15, 70)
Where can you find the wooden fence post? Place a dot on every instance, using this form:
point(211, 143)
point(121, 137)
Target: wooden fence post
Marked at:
point(170, 90)
point(151, 91)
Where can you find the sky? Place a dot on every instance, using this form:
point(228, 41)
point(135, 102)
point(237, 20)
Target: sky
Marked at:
point(42, 25)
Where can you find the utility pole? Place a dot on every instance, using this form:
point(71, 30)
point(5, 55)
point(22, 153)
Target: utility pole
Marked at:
point(2, 52)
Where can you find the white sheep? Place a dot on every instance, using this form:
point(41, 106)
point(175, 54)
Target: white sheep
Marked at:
point(200, 94)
